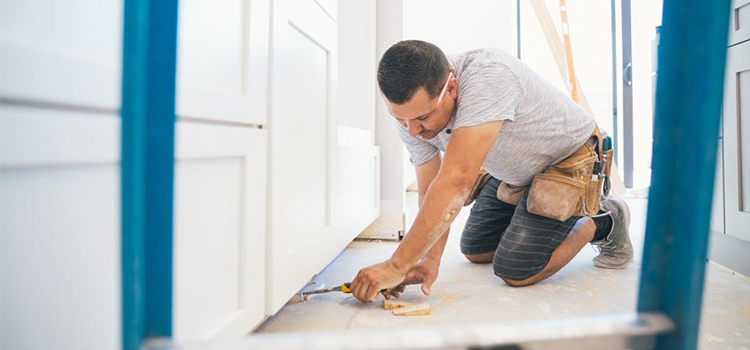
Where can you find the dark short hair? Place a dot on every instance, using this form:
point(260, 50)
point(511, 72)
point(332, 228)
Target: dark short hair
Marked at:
point(408, 65)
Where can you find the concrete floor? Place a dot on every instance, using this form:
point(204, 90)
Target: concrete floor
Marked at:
point(466, 292)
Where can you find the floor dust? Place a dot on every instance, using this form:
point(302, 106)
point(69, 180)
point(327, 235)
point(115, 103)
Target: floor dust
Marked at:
point(466, 292)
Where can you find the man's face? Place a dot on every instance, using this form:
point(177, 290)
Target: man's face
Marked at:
point(424, 116)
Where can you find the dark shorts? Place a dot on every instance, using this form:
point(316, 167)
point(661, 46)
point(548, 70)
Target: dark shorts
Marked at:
point(522, 242)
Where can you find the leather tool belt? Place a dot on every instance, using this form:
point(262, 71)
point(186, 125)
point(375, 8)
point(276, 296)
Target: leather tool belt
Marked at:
point(571, 187)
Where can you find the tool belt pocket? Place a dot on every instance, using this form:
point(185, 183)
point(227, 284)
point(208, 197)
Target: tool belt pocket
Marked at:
point(482, 179)
point(567, 188)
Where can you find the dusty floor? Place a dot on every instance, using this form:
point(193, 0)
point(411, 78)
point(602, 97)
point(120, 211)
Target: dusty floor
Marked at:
point(466, 292)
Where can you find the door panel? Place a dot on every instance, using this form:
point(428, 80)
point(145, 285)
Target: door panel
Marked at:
point(219, 236)
point(60, 267)
point(302, 237)
point(717, 206)
point(737, 141)
point(223, 60)
point(306, 167)
point(59, 229)
point(743, 124)
point(739, 22)
point(61, 52)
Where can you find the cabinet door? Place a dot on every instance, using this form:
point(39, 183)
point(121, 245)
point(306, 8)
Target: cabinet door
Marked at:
point(739, 22)
point(737, 141)
point(302, 238)
point(223, 60)
point(219, 235)
point(60, 268)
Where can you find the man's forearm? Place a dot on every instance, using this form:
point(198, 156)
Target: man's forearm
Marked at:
point(441, 205)
point(436, 252)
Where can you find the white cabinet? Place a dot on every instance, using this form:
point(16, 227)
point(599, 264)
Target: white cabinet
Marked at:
point(323, 176)
point(730, 216)
point(60, 275)
point(737, 141)
point(220, 173)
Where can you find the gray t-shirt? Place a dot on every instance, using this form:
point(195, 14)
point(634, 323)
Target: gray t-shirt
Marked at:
point(542, 124)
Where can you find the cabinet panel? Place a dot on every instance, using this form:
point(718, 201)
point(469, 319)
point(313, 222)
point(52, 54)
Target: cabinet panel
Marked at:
point(303, 153)
point(223, 60)
point(61, 52)
point(737, 141)
point(59, 230)
point(717, 206)
point(739, 22)
point(743, 124)
point(302, 237)
point(219, 236)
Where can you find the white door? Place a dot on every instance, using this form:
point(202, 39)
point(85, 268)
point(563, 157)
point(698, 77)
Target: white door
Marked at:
point(737, 141)
point(220, 174)
point(60, 275)
point(302, 134)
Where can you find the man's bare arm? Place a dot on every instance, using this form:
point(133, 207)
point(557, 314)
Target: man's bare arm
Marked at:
point(445, 197)
point(426, 174)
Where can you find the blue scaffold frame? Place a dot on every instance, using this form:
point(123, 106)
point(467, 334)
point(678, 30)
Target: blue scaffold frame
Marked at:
point(147, 173)
point(689, 93)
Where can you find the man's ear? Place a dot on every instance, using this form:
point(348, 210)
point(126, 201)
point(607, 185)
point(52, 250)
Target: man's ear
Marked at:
point(453, 87)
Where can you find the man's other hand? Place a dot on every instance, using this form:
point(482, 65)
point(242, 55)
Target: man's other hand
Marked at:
point(424, 273)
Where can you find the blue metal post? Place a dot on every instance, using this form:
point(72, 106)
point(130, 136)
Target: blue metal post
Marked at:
point(692, 51)
point(148, 117)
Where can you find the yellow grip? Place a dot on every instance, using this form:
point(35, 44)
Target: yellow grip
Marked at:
point(345, 288)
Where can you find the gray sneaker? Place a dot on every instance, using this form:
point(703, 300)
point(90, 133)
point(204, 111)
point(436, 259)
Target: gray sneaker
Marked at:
point(616, 250)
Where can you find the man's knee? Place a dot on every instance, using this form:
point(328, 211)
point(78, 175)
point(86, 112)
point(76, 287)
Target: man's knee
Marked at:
point(484, 258)
point(517, 283)
point(517, 270)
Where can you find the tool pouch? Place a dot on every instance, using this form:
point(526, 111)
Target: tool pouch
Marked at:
point(567, 189)
point(510, 194)
point(482, 179)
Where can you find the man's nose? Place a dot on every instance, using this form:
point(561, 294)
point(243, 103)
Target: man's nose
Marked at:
point(414, 128)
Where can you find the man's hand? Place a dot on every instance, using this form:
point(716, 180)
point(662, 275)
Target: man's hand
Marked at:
point(424, 273)
point(372, 279)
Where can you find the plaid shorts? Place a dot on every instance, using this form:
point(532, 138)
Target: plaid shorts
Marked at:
point(523, 242)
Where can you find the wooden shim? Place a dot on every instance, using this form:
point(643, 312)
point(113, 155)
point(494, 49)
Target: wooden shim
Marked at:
point(413, 310)
point(392, 304)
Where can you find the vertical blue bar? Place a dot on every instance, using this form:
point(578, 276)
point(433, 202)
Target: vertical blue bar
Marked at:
point(148, 118)
point(692, 53)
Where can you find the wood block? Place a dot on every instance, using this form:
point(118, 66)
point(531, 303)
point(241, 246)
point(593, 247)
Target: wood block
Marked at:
point(393, 304)
point(413, 310)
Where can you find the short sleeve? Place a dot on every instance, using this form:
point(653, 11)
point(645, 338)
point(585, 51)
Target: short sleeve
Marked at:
point(420, 151)
point(487, 93)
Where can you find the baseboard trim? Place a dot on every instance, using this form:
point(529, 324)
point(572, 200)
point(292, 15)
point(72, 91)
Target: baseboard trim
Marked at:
point(730, 251)
point(388, 226)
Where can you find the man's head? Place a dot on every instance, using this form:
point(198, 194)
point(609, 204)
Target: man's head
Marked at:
point(419, 86)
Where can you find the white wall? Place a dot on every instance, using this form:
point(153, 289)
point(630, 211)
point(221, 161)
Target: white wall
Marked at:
point(389, 31)
point(357, 64)
point(457, 26)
